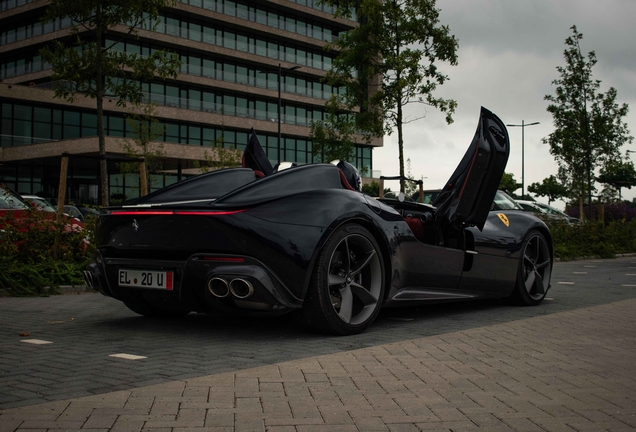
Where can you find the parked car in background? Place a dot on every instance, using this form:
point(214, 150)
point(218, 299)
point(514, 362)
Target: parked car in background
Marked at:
point(88, 211)
point(12, 204)
point(503, 201)
point(74, 212)
point(555, 211)
point(40, 202)
point(543, 213)
point(10, 201)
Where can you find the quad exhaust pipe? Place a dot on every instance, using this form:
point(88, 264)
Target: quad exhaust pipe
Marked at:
point(238, 287)
point(241, 289)
point(218, 287)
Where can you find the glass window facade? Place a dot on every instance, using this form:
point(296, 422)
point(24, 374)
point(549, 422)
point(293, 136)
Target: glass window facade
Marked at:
point(24, 124)
point(216, 34)
point(272, 17)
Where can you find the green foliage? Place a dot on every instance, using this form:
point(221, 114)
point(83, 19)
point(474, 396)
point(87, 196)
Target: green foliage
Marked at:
point(618, 174)
point(334, 138)
point(26, 253)
point(410, 187)
point(374, 189)
point(222, 157)
point(145, 128)
point(594, 239)
point(90, 68)
point(390, 61)
point(550, 187)
point(508, 184)
point(589, 127)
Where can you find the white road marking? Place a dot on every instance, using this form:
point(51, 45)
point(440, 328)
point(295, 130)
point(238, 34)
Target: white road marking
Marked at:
point(580, 272)
point(547, 299)
point(36, 341)
point(128, 356)
point(630, 274)
point(566, 283)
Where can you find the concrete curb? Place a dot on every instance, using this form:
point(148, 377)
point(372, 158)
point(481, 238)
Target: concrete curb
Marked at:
point(69, 289)
point(631, 254)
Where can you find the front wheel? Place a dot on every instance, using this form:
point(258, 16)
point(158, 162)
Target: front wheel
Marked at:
point(347, 285)
point(535, 271)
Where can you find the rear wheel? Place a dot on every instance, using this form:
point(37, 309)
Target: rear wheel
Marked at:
point(535, 271)
point(347, 285)
point(148, 310)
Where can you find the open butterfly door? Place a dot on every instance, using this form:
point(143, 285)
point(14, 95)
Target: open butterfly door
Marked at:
point(468, 195)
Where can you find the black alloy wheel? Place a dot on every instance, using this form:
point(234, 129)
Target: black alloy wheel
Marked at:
point(347, 284)
point(535, 271)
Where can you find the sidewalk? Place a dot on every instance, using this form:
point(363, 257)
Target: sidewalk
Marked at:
point(568, 371)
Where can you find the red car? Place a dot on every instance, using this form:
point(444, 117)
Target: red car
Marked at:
point(11, 204)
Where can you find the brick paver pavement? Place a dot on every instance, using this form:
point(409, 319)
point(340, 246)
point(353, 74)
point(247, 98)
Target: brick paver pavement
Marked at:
point(566, 371)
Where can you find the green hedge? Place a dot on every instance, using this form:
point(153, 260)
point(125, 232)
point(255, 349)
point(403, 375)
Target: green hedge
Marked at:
point(594, 239)
point(27, 255)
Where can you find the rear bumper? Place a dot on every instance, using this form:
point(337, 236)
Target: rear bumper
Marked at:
point(202, 283)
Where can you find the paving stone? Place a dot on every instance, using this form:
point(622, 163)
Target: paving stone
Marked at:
point(471, 366)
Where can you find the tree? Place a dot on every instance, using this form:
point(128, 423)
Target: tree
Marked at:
point(223, 157)
point(618, 175)
point(374, 189)
point(589, 127)
point(146, 128)
point(410, 187)
point(93, 68)
point(508, 184)
point(389, 61)
point(550, 187)
point(334, 137)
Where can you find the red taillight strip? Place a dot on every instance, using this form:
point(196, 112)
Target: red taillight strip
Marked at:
point(226, 259)
point(209, 213)
point(173, 212)
point(137, 213)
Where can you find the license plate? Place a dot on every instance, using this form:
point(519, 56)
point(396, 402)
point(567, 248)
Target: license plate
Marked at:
point(146, 279)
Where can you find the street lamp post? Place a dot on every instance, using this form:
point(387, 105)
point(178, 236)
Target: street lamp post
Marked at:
point(280, 73)
point(523, 126)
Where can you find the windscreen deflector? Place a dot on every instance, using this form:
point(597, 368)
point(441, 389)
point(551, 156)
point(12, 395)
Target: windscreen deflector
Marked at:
point(468, 194)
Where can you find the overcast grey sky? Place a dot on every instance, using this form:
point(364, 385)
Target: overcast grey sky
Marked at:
point(508, 54)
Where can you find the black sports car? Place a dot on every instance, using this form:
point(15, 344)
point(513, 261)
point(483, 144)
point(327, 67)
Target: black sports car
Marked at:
point(305, 240)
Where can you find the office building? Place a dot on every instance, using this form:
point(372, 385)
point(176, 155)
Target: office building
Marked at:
point(233, 54)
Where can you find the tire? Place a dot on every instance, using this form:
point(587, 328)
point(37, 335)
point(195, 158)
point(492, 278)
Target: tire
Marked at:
point(148, 310)
point(534, 273)
point(347, 284)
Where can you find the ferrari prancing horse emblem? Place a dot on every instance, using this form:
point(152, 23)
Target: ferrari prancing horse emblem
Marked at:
point(504, 219)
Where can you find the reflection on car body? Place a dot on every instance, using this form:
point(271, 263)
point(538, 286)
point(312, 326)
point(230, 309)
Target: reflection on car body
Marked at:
point(265, 242)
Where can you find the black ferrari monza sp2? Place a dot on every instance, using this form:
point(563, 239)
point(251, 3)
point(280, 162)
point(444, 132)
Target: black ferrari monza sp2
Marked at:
point(303, 240)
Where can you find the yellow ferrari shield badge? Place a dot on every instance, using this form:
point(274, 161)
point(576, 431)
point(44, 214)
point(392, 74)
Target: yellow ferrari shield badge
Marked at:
point(504, 219)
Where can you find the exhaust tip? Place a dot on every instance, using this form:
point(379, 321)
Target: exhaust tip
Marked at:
point(218, 287)
point(88, 279)
point(241, 288)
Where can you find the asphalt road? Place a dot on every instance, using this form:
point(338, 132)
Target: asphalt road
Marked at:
point(85, 330)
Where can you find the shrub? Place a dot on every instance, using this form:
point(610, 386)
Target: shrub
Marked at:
point(594, 239)
point(27, 256)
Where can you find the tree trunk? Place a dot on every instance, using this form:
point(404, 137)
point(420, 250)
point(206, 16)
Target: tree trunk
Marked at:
point(103, 164)
point(581, 211)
